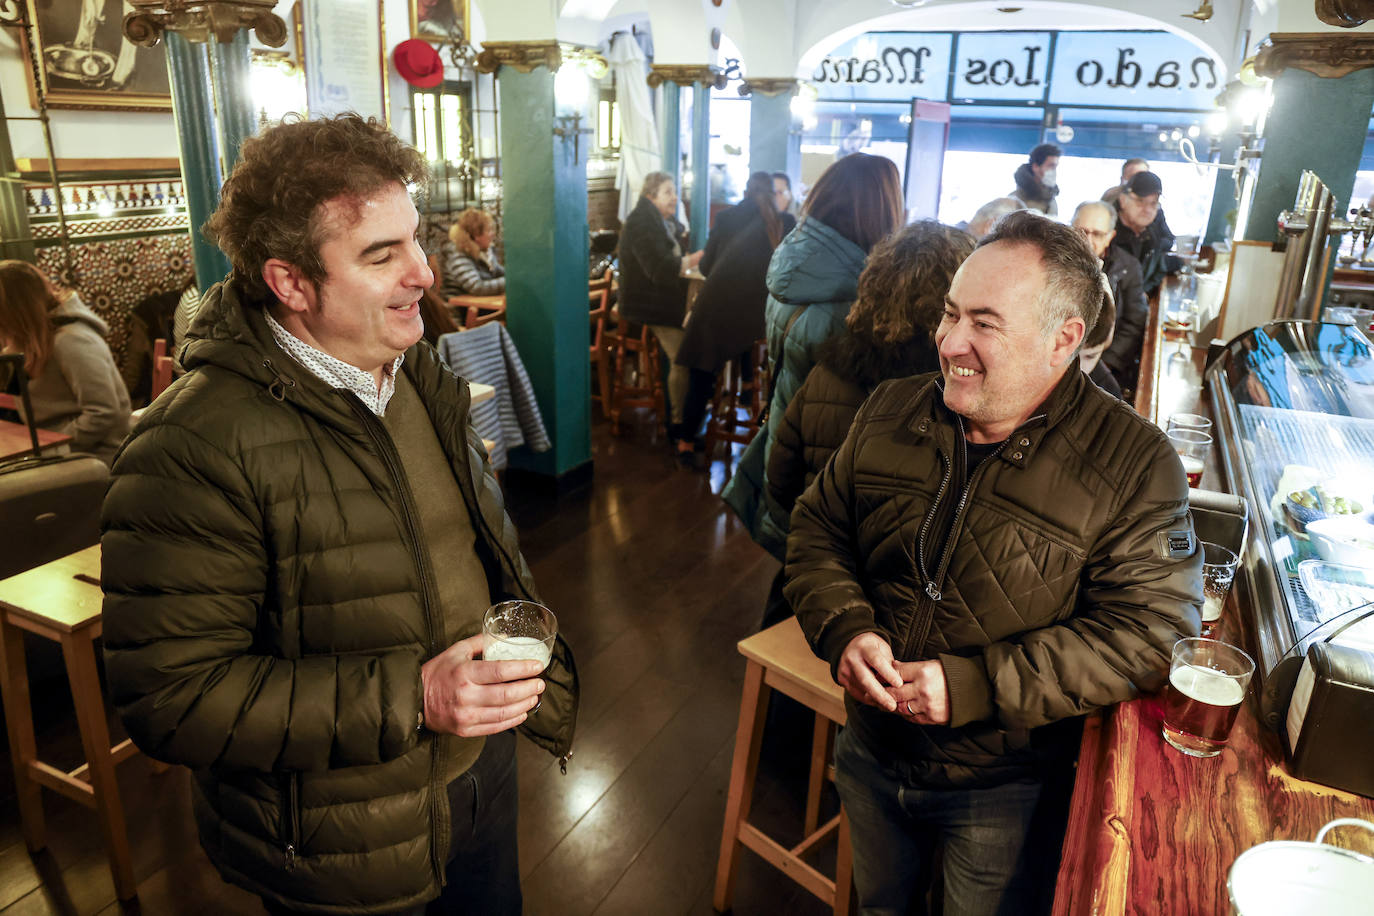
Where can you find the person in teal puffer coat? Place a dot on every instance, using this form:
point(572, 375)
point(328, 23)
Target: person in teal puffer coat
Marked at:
point(812, 281)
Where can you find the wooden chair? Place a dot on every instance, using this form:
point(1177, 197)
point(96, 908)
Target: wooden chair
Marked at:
point(162, 368)
point(61, 601)
point(724, 423)
point(780, 659)
point(468, 311)
point(637, 374)
point(599, 299)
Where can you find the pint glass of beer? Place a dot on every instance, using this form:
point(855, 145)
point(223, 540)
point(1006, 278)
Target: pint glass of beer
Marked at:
point(1207, 682)
point(1218, 572)
point(1192, 447)
point(515, 630)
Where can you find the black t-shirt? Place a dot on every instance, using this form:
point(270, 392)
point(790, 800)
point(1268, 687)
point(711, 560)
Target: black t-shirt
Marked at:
point(977, 452)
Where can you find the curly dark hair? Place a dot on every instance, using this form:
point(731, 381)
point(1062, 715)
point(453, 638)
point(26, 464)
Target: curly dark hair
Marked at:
point(902, 290)
point(272, 204)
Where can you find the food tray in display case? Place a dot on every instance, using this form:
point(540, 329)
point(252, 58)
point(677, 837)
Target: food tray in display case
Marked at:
point(1293, 402)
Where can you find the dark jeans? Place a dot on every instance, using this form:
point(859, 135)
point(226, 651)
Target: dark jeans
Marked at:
point(701, 386)
point(483, 873)
point(1000, 845)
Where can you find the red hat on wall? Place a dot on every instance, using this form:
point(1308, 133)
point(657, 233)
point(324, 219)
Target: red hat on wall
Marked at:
point(418, 63)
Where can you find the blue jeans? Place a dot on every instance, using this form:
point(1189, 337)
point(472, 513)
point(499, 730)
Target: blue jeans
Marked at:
point(896, 829)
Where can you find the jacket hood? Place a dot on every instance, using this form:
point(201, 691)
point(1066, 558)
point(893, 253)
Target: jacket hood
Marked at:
point(1032, 187)
point(72, 309)
point(815, 264)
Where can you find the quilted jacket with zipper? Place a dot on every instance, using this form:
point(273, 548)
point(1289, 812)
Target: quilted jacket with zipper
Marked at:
point(267, 610)
point(1052, 582)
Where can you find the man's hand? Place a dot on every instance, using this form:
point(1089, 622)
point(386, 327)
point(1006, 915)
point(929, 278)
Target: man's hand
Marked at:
point(923, 696)
point(867, 671)
point(468, 697)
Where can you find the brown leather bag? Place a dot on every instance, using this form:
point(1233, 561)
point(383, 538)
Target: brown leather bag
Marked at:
point(49, 504)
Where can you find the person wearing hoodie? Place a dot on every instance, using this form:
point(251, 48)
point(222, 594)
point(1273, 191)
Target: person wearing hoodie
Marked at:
point(1037, 180)
point(75, 387)
point(891, 335)
point(812, 280)
point(301, 538)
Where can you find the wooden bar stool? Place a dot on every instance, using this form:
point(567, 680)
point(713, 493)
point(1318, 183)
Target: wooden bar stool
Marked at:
point(780, 659)
point(637, 377)
point(61, 601)
point(732, 392)
point(599, 316)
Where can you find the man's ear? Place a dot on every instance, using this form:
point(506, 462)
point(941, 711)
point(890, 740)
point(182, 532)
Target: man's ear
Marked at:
point(291, 287)
point(1067, 340)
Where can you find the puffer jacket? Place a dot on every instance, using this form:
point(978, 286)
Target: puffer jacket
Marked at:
point(812, 281)
point(1034, 193)
point(1122, 356)
point(1052, 582)
point(1150, 248)
point(268, 608)
point(823, 408)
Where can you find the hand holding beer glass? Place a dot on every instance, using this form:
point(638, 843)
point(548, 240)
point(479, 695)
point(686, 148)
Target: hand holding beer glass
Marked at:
point(514, 630)
point(1207, 683)
point(1192, 447)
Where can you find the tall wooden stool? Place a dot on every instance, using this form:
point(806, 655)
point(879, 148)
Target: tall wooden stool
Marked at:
point(61, 601)
point(780, 659)
point(599, 350)
point(637, 379)
point(724, 423)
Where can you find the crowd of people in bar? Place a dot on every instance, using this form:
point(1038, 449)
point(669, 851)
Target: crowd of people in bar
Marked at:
point(974, 528)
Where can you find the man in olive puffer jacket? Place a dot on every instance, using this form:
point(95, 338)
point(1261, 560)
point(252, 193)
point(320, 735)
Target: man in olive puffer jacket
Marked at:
point(993, 551)
point(300, 539)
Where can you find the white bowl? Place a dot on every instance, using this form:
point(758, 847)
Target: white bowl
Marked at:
point(1333, 538)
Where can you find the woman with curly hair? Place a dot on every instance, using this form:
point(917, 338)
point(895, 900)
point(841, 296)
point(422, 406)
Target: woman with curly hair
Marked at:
point(471, 267)
point(891, 335)
point(74, 386)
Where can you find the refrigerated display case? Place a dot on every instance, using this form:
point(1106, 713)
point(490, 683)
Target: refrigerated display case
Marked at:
point(1293, 402)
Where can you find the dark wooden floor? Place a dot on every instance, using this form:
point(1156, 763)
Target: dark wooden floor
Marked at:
point(654, 581)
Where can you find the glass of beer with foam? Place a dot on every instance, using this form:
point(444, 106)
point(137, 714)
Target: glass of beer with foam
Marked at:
point(517, 630)
point(1192, 447)
point(1218, 572)
point(1207, 683)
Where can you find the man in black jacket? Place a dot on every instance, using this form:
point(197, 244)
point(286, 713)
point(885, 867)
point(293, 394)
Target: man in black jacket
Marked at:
point(1037, 182)
point(1142, 231)
point(1096, 221)
point(300, 540)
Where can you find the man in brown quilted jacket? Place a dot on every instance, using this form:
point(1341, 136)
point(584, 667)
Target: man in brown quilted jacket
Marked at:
point(994, 551)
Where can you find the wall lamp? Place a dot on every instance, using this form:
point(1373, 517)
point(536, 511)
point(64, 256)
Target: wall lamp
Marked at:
point(571, 92)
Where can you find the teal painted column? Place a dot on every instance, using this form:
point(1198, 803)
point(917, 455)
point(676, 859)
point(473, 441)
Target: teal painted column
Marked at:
point(188, 65)
point(544, 227)
point(770, 132)
point(231, 65)
point(700, 216)
point(1223, 194)
point(672, 131)
point(1317, 124)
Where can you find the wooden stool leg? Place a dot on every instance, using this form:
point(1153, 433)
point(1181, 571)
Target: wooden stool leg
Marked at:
point(820, 758)
point(14, 680)
point(748, 740)
point(79, 651)
point(844, 868)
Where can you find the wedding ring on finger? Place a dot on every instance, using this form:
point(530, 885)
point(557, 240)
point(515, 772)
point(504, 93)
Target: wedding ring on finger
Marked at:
point(909, 711)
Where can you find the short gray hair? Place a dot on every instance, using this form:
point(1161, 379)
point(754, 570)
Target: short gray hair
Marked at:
point(1102, 205)
point(992, 211)
point(652, 181)
point(1074, 287)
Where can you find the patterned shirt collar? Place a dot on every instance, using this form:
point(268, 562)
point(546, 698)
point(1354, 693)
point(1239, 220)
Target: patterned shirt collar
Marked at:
point(336, 373)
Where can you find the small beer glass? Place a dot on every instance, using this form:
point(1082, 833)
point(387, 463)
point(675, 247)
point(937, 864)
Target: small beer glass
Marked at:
point(1218, 572)
point(1192, 447)
point(1194, 421)
point(518, 630)
point(1207, 683)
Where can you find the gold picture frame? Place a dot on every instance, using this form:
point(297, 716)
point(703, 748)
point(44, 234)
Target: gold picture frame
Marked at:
point(431, 19)
point(86, 62)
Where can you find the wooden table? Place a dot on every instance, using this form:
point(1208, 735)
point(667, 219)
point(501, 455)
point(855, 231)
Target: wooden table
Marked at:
point(15, 441)
point(1152, 830)
point(61, 601)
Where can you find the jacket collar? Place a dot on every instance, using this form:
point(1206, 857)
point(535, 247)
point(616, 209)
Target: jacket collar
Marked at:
point(933, 419)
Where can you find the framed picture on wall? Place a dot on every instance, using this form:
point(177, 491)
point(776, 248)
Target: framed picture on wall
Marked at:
point(434, 19)
point(86, 62)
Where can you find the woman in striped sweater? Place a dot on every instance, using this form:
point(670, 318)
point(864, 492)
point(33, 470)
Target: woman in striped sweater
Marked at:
point(470, 266)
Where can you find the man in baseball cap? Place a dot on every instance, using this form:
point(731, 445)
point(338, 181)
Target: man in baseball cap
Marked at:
point(1141, 230)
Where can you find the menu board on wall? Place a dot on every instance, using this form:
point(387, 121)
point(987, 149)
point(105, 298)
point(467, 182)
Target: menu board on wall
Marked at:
point(343, 52)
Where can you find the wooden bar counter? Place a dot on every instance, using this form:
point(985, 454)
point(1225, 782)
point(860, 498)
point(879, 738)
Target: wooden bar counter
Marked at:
point(1152, 830)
